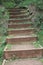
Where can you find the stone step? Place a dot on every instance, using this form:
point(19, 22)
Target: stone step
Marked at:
point(22, 51)
point(19, 20)
point(21, 31)
point(12, 39)
point(19, 16)
point(22, 19)
point(17, 13)
point(32, 61)
point(17, 10)
point(22, 25)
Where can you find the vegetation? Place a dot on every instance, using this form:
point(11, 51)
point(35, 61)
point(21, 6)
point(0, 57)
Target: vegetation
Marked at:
point(40, 36)
point(39, 4)
point(3, 20)
point(4, 16)
point(9, 4)
point(2, 46)
point(13, 3)
point(3, 30)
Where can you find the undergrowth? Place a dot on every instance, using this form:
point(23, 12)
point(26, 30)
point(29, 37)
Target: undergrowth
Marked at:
point(40, 37)
point(2, 46)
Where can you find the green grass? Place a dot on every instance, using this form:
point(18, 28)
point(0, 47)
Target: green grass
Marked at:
point(39, 43)
point(2, 39)
point(36, 44)
point(41, 59)
point(26, 2)
point(40, 36)
point(1, 62)
point(2, 46)
point(1, 53)
point(9, 46)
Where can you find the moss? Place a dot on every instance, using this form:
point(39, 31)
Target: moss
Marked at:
point(36, 44)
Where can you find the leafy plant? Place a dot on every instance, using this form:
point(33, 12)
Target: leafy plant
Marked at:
point(40, 37)
point(2, 45)
point(3, 20)
point(0, 2)
point(39, 4)
point(9, 4)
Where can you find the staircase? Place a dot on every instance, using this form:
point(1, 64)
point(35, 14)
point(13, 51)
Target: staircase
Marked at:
point(21, 38)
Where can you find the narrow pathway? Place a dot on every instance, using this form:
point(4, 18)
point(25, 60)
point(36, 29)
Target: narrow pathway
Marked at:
point(20, 39)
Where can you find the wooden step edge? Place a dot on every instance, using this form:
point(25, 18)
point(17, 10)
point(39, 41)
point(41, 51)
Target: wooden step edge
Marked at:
point(25, 36)
point(21, 29)
point(5, 50)
point(19, 20)
point(4, 62)
point(26, 18)
point(39, 48)
point(25, 11)
point(20, 23)
point(21, 16)
point(18, 14)
point(17, 11)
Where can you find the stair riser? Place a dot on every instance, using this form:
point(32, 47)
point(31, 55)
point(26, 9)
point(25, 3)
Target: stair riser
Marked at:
point(19, 26)
point(16, 10)
point(19, 16)
point(17, 13)
point(14, 40)
point(18, 21)
point(22, 32)
point(37, 53)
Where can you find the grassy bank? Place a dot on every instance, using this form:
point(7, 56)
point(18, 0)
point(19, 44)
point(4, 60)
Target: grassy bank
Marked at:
point(2, 46)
